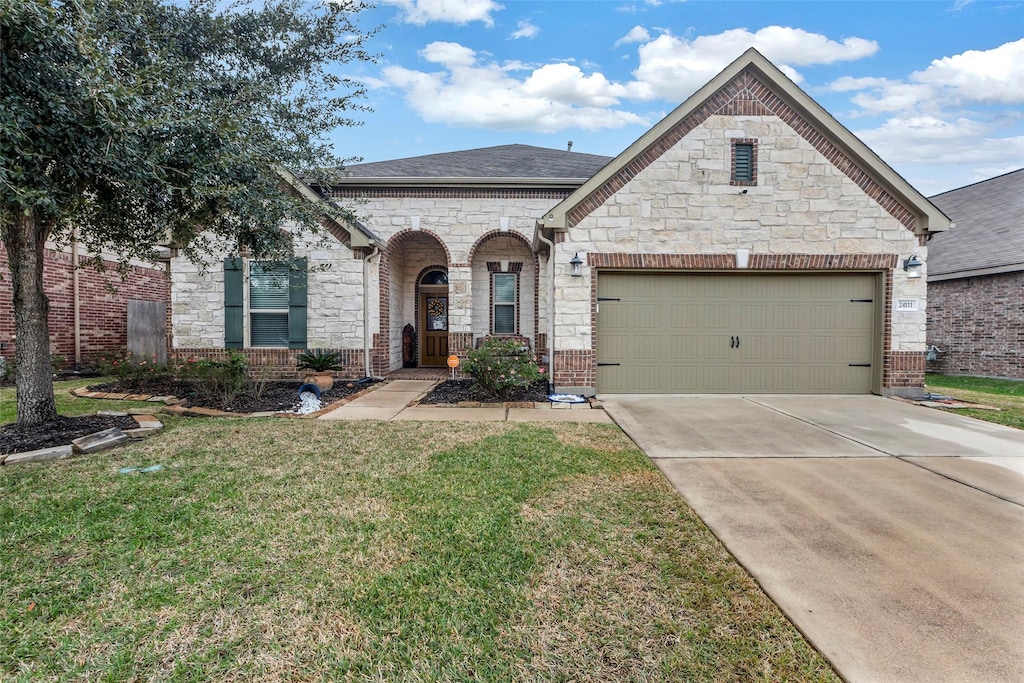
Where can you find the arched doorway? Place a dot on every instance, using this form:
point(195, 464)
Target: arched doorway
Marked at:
point(433, 317)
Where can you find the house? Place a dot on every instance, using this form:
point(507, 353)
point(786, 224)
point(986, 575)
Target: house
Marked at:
point(746, 243)
point(88, 308)
point(976, 280)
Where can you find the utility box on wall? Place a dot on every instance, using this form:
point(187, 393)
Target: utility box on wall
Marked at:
point(147, 329)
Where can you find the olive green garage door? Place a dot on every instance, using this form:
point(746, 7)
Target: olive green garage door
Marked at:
point(737, 333)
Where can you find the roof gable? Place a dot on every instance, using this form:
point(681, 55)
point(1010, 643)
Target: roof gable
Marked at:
point(989, 235)
point(753, 86)
point(349, 232)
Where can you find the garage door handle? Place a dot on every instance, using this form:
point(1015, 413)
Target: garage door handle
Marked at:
point(737, 342)
point(601, 365)
point(608, 298)
point(859, 365)
point(862, 301)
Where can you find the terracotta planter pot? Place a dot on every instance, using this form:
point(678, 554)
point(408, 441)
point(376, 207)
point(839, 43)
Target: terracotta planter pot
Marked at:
point(324, 381)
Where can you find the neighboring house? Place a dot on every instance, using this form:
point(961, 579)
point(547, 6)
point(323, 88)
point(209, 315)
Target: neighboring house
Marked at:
point(87, 319)
point(976, 280)
point(747, 243)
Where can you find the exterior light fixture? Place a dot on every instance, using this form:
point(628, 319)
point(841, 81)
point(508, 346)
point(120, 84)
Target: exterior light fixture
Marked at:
point(913, 266)
point(576, 266)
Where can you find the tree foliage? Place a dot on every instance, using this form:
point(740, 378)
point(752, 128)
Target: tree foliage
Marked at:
point(135, 121)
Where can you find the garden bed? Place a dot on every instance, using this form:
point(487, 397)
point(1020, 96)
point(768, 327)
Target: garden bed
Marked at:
point(16, 438)
point(460, 390)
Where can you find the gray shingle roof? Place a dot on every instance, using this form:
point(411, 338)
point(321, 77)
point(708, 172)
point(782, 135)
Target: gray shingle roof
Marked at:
point(504, 161)
point(989, 232)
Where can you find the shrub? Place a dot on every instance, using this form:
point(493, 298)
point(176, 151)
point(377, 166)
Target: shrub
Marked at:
point(131, 371)
point(501, 365)
point(320, 360)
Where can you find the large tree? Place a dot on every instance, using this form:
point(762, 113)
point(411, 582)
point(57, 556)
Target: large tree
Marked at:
point(131, 121)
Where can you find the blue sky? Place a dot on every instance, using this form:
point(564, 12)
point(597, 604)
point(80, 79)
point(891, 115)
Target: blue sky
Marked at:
point(935, 88)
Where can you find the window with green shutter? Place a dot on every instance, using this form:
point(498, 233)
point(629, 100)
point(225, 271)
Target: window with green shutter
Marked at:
point(277, 304)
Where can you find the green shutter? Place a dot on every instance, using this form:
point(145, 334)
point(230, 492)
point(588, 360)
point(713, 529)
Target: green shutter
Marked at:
point(297, 304)
point(234, 304)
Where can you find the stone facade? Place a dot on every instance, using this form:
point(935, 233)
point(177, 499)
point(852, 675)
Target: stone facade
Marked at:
point(978, 323)
point(460, 231)
point(809, 201)
point(334, 306)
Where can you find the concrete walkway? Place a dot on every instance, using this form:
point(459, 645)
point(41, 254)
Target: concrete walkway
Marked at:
point(892, 535)
point(391, 401)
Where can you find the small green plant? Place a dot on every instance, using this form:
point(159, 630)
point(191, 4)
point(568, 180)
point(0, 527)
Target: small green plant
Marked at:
point(320, 360)
point(501, 365)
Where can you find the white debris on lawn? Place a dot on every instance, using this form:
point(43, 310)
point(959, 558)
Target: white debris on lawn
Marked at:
point(566, 398)
point(308, 403)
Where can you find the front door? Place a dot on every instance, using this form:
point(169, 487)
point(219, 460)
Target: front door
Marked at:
point(434, 324)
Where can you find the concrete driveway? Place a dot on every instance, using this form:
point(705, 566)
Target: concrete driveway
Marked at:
point(892, 535)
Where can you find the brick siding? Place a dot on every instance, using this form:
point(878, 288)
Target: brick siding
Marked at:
point(276, 363)
point(979, 323)
point(103, 304)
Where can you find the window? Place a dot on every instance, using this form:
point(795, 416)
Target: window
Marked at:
point(504, 288)
point(268, 303)
point(276, 312)
point(744, 162)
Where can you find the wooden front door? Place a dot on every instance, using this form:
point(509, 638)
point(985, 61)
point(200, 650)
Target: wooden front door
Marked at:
point(434, 326)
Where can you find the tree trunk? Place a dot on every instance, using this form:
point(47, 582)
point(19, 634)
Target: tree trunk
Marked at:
point(25, 239)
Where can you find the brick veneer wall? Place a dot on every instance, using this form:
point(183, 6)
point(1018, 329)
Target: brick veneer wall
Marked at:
point(979, 323)
point(103, 304)
point(276, 363)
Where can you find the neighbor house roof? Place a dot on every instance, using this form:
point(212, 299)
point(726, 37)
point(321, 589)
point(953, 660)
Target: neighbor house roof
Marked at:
point(502, 165)
point(989, 234)
point(752, 70)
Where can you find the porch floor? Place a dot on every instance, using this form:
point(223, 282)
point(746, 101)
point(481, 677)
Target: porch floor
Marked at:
point(421, 373)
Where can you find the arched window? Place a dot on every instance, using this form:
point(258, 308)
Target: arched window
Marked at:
point(434, 277)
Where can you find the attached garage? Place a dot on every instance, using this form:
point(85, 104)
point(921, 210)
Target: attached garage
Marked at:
point(700, 332)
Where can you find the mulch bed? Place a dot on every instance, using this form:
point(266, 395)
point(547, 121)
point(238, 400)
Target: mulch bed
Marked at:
point(457, 390)
point(60, 432)
point(269, 396)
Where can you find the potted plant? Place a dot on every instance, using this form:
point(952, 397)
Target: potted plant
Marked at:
point(321, 363)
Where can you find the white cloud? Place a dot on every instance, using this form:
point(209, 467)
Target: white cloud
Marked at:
point(567, 84)
point(995, 75)
point(931, 140)
point(896, 97)
point(848, 83)
point(673, 67)
point(525, 30)
point(421, 12)
point(448, 54)
point(637, 34)
point(489, 95)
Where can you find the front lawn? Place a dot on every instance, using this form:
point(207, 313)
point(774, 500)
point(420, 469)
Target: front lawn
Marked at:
point(279, 549)
point(1006, 394)
point(66, 403)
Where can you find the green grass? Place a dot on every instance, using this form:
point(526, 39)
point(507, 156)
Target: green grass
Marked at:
point(66, 403)
point(308, 550)
point(1005, 394)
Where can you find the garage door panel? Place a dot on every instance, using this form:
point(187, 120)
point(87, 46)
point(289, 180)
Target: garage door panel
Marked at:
point(677, 332)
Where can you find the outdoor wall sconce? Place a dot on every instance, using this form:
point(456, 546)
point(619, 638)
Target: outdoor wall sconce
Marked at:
point(913, 266)
point(576, 266)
